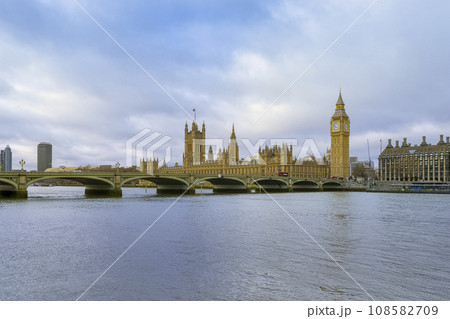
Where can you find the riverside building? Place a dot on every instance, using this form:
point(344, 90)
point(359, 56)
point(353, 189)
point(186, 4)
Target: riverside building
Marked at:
point(418, 163)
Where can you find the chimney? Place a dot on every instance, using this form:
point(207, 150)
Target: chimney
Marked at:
point(441, 140)
point(424, 141)
point(404, 144)
point(396, 143)
point(389, 143)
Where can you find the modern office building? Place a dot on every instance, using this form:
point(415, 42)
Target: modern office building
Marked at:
point(6, 159)
point(44, 156)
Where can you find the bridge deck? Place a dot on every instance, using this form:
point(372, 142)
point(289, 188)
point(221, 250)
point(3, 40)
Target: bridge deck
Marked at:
point(111, 183)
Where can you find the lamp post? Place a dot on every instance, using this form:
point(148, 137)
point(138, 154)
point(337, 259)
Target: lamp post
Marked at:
point(22, 163)
point(117, 166)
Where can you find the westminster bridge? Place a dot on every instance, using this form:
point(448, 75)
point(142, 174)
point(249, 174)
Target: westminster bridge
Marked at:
point(15, 184)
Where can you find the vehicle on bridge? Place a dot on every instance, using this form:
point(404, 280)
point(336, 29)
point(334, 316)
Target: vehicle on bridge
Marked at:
point(283, 174)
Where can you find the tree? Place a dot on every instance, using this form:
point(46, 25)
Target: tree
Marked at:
point(359, 171)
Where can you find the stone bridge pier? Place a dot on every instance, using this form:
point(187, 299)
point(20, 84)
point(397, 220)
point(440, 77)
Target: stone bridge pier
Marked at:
point(14, 186)
point(22, 191)
point(104, 190)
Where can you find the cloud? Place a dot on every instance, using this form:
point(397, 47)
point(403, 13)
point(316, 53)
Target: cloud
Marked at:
point(5, 88)
point(64, 81)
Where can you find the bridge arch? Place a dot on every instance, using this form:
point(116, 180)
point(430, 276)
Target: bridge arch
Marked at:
point(226, 184)
point(8, 185)
point(157, 180)
point(332, 186)
point(165, 184)
point(305, 186)
point(272, 184)
point(87, 181)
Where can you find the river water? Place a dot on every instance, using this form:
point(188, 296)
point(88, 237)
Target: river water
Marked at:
point(225, 247)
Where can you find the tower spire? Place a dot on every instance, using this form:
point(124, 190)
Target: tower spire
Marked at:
point(340, 101)
point(233, 135)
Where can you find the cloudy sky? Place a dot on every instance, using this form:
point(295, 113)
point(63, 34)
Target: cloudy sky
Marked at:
point(64, 81)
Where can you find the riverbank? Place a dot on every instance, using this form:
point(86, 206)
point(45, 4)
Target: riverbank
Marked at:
point(413, 187)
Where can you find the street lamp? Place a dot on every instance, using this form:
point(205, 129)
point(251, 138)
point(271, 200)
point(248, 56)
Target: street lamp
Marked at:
point(22, 163)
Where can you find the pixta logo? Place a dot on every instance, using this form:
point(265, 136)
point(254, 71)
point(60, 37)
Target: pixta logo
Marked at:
point(145, 144)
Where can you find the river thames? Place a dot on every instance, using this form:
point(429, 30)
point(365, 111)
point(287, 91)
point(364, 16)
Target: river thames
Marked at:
point(225, 247)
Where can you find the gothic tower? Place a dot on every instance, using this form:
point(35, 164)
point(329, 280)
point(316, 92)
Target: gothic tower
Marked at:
point(233, 149)
point(210, 155)
point(194, 145)
point(340, 134)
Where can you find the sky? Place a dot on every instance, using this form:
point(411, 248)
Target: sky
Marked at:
point(63, 80)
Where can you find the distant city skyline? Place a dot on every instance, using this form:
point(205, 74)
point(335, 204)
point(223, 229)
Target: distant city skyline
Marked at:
point(64, 80)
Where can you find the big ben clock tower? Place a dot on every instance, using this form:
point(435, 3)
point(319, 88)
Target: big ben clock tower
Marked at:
point(340, 134)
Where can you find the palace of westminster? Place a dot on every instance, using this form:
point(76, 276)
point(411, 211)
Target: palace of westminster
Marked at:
point(268, 161)
point(422, 163)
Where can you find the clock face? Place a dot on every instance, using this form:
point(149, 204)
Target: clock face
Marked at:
point(346, 126)
point(335, 126)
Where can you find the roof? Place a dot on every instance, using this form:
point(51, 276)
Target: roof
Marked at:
point(412, 150)
point(233, 135)
point(340, 101)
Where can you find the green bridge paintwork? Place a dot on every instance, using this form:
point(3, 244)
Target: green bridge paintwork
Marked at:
point(15, 184)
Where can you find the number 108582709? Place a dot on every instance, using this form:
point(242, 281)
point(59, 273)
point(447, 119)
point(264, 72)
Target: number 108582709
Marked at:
point(403, 310)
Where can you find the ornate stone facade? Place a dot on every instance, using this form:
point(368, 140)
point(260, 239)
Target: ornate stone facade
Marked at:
point(268, 161)
point(340, 147)
point(424, 162)
point(194, 145)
